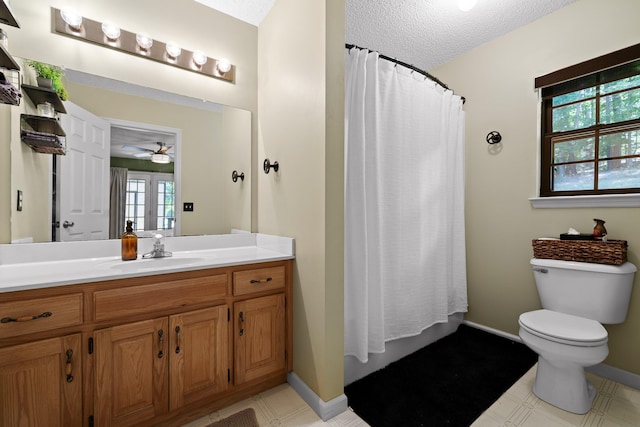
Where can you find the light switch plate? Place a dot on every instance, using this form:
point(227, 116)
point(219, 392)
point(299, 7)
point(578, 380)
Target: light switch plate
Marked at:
point(19, 205)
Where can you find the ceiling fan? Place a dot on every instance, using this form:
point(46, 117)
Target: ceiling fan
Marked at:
point(157, 156)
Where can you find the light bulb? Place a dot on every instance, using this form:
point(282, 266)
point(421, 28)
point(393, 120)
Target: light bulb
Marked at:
point(199, 57)
point(466, 5)
point(173, 50)
point(110, 30)
point(223, 66)
point(73, 20)
point(160, 158)
point(144, 41)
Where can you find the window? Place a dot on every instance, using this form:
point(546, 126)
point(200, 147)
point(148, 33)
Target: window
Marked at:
point(136, 201)
point(165, 203)
point(151, 201)
point(591, 127)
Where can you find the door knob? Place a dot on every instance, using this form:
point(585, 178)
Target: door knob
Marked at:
point(68, 224)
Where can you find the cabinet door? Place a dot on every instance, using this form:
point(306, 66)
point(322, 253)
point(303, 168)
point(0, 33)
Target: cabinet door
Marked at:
point(260, 337)
point(41, 383)
point(199, 362)
point(131, 373)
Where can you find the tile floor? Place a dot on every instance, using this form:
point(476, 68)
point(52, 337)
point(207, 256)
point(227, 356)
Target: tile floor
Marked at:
point(616, 405)
point(281, 406)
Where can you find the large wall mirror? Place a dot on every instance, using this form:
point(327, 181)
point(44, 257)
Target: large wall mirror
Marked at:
point(205, 143)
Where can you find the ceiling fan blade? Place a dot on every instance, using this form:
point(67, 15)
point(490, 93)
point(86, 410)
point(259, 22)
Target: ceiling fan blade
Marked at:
point(135, 148)
point(148, 154)
point(164, 149)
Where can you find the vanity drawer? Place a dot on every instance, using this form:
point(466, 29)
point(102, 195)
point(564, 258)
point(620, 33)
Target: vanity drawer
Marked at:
point(40, 314)
point(258, 280)
point(125, 302)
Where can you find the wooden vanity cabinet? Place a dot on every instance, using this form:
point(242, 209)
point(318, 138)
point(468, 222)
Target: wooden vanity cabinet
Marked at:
point(260, 330)
point(198, 355)
point(145, 369)
point(41, 383)
point(131, 373)
point(154, 350)
point(260, 340)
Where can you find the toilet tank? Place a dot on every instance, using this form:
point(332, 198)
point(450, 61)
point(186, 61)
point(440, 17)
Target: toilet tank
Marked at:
point(595, 291)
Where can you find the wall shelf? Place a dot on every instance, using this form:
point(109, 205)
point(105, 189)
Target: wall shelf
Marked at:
point(9, 95)
point(6, 60)
point(40, 95)
point(6, 16)
point(43, 124)
point(42, 134)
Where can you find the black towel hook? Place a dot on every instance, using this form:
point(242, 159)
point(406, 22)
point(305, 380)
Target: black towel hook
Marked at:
point(494, 137)
point(267, 165)
point(235, 176)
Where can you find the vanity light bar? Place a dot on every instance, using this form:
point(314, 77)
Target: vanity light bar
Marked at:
point(91, 31)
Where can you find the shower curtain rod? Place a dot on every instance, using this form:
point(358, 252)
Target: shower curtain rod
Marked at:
point(404, 64)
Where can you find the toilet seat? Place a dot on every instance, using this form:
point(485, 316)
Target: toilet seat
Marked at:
point(564, 328)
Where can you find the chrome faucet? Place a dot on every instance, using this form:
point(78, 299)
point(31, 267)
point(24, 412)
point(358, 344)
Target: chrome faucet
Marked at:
point(158, 248)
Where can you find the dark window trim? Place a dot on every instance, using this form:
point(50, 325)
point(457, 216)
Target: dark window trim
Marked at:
point(591, 66)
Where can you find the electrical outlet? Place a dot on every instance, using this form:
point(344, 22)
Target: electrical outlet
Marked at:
point(188, 207)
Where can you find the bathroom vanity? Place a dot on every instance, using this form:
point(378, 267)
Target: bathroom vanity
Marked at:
point(100, 341)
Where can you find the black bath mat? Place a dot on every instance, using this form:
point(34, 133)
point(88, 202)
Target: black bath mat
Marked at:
point(448, 383)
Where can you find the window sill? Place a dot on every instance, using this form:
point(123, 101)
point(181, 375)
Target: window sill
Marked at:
point(604, 201)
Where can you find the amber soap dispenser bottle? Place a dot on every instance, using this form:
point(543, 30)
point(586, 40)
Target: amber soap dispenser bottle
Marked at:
point(129, 243)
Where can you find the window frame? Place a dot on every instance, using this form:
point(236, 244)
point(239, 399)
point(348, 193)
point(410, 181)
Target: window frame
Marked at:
point(576, 77)
point(151, 180)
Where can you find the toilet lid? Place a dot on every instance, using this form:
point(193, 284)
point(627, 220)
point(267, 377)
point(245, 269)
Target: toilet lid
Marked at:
point(563, 327)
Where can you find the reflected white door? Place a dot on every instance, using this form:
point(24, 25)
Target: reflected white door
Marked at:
point(83, 177)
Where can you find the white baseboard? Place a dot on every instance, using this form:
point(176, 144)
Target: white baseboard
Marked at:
point(325, 410)
point(605, 371)
point(614, 374)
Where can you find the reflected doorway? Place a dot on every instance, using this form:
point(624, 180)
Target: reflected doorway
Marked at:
point(83, 206)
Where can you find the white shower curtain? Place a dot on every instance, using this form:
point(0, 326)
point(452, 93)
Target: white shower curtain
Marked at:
point(405, 266)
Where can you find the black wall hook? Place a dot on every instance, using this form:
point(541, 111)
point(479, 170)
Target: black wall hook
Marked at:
point(235, 176)
point(494, 137)
point(267, 165)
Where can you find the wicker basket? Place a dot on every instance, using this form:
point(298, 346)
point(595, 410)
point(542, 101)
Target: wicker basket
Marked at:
point(43, 142)
point(610, 252)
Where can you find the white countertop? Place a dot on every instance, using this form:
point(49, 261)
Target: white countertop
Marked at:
point(42, 265)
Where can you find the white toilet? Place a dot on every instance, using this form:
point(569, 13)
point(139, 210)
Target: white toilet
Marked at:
point(567, 332)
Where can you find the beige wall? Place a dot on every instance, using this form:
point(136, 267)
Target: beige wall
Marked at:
point(219, 35)
point(497, 80)
point(5, 173)
point(301, 98)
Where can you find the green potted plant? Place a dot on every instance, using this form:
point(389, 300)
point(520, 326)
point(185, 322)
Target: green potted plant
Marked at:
point(52, 73)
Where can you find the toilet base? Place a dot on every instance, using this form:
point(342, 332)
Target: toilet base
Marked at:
point(564, 386)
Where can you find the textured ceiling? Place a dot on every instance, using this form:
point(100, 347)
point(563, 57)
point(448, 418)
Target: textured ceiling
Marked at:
point(424, 33)
point(251, 11)
point(428, 33)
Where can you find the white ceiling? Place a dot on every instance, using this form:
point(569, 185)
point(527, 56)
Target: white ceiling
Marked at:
point(428, 33)
point(124, 140)
point(251, 11)
point(424, 33)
